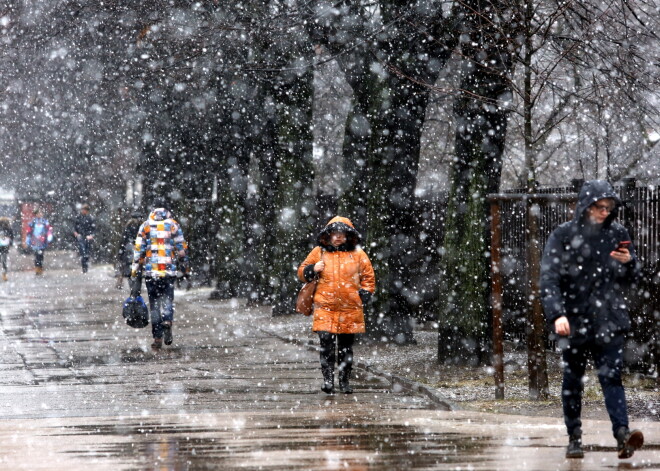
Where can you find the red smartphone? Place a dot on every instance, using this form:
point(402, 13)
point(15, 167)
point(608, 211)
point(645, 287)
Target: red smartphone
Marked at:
point(624, 244)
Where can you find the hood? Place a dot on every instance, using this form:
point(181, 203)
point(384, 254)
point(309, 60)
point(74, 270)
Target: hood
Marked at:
point(160, 214)
point(339, 224)
point(592, 191)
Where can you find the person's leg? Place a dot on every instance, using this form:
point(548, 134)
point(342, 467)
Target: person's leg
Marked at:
point(39, 261)
point(167, 310)
point(155, 294)
point(84, 254)
point(167, 290)
point(327, 354)
point(608, 361)
point(3, 258)
point(345, 357)
point(574, 362)
point(345, 351)
point(81, 251)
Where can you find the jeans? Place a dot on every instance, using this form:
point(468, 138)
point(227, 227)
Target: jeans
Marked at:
point(84, 248)
point(39, 258)
point(608, 361)
point(161, 303)
point(344, 345)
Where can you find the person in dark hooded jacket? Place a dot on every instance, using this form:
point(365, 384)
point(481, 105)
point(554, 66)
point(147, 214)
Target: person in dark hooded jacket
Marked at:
point(125, 250)
point(84, 229)
point(588, 264)
point(6, 239)
point(346, 282)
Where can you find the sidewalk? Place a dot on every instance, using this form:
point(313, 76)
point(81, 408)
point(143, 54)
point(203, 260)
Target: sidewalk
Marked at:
point(81, 390)
point(472, 388)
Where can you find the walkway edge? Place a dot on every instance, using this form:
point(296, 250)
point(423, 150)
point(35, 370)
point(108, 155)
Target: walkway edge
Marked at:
point(403, 382)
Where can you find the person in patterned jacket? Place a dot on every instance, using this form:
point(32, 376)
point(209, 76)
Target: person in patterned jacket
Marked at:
point(160, 251)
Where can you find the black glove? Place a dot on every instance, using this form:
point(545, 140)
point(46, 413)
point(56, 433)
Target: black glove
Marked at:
point(184, 270)
point(365, 296)
point(308, 272)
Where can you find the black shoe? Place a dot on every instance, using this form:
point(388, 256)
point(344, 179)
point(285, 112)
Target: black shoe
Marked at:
point(344, 386)
point(574, 448)
point(158, 344)
point(167, 333)
point(328, 380)
point(627, 441)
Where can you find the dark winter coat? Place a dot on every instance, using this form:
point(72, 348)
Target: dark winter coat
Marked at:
point(347, 281)
point(579, 278)
point(84, 225)
point(6, 235)
point(125, 252)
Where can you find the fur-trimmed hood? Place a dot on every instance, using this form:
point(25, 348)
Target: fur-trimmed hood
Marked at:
point(339, 224)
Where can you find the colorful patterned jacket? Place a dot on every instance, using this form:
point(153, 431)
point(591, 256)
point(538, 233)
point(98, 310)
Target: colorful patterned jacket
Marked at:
point(39, 234)
point(158, 245)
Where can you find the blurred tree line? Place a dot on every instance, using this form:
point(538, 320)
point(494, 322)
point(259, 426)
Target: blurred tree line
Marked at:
point(213, 105)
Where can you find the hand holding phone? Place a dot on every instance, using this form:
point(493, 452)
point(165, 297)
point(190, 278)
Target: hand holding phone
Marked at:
point(621, 252)
point(624, 244)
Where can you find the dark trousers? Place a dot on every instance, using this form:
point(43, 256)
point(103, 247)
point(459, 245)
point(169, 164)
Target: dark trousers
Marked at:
point(39, 258)
point(344, 345)
point(84, 249)
point(3, 259)
point(608, 361)
point(161, 303)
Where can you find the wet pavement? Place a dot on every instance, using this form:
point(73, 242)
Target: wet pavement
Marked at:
point(81, 390)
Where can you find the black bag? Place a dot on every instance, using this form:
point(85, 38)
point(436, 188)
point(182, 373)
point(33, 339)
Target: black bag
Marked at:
point(135, 310)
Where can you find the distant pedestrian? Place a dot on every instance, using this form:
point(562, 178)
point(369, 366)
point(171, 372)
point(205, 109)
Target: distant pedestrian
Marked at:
point(125, 250)
point(346, 282)
point(6, 240)
point(587, 265)
point(160, 251)
point(39, 237)
point(84, 229)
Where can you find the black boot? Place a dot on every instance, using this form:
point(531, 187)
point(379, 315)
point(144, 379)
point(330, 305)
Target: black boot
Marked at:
point(344, 376)
point(627, 441)
point(574, 449)
point(328, 380)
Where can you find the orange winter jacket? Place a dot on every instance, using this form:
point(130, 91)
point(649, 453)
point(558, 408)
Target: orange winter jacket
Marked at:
point(337, 303)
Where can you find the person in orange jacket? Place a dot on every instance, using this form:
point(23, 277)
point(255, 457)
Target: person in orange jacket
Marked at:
point(346, 282)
